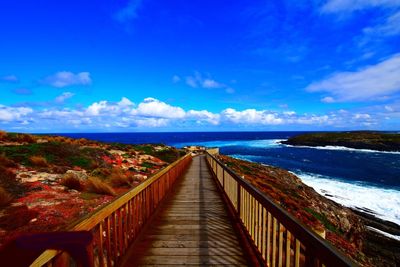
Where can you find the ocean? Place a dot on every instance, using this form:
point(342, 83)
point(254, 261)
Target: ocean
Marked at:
point(364, 179)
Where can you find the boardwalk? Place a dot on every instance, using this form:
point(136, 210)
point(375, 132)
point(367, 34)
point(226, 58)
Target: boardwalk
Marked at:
point(193, 227)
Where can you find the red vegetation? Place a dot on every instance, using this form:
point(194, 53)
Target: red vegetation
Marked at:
point(17, 217)
point(35, 174)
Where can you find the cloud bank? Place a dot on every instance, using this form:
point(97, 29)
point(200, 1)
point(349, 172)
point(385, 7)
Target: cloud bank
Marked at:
point(153, 113)
point(66, 78)
point(369, 83)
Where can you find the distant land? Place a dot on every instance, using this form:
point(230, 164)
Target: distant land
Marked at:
point(359, 140)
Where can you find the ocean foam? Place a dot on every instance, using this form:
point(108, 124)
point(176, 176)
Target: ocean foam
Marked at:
point(397, 237)
point(384, 203)
point(343, 148)
point(264, 143)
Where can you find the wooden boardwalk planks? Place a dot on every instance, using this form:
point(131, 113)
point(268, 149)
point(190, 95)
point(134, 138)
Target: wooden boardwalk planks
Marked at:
point(192, 229)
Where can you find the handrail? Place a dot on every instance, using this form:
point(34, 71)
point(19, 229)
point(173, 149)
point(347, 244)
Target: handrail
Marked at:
point(116, 225)
point(276, 236)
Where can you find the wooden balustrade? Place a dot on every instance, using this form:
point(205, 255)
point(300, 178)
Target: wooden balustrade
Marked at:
point(117, 225)
point(277, 238)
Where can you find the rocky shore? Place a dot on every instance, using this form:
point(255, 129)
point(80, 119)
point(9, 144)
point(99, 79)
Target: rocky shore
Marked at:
point(353, 231)
point(359, 140)
point(378, 245)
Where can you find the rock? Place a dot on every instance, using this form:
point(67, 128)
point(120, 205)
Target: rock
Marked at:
point(81, 175)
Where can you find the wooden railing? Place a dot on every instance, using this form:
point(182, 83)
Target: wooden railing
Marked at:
point(118, 224)
point(277, 238)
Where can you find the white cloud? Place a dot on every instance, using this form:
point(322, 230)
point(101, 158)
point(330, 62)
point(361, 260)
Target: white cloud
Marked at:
point(251, 116)
point(390, 27)
point(153, 113)
point(152, 107)
point(64, 96)
point(66, 78)
point(359, 116)
point(336, 6)
point(328, 99)
point(198, 81)
point(210, 83)
point(369, 83)
point(8, 114)
point(289, 113)
point(203, 115)
point(125, 102)
point(96, 108)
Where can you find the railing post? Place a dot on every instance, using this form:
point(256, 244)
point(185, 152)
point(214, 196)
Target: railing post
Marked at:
point(223, 178)
point(238, 199)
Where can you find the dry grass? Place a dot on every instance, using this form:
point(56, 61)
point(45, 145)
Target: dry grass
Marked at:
point(5, 197)
point(38, 161)
point(95, 185)
point(3, 135)
point(118, 178)
point(6, 162)
point(71, 181)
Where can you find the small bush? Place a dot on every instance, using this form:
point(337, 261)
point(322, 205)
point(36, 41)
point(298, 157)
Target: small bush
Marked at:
point(147, 165)
point(95, 185)
point(82, 162)
point(5, 197)
point(38, 161)
point(71, 181)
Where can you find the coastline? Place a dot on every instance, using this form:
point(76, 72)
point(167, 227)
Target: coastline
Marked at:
point(375, 234)
point(372, 141)
point(343, 148)
point(378, 243)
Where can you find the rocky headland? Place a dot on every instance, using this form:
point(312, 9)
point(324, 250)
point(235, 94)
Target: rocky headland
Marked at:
point(359, 140)
point(48, 182)
point(354, 232)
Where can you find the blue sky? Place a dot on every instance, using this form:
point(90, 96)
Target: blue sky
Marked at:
point(146, 65)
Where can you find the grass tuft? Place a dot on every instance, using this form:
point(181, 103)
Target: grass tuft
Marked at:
point(71, 181)
point(38, 161)
point(118, 178)
point(97, 186)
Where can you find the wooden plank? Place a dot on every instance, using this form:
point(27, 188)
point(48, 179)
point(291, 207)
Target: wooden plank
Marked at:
point(288, 248)
point(207, 260)
point(192, 229)
point(204, 251)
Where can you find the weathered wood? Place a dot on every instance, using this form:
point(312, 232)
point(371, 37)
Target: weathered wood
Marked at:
point(192, 228)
